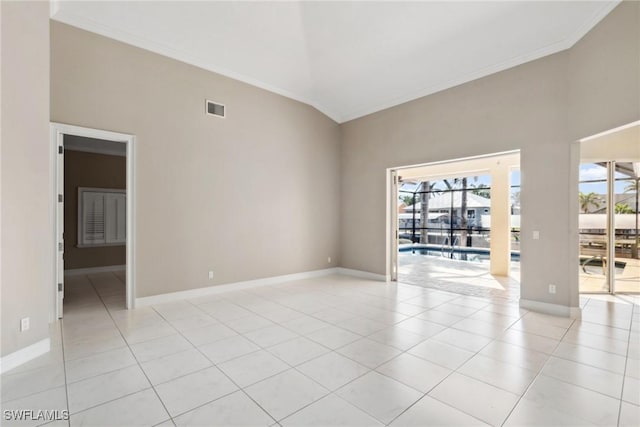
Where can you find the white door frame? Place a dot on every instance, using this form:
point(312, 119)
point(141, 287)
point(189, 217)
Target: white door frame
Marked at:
point(392, 224)
point(57, 131)
point(392, 205)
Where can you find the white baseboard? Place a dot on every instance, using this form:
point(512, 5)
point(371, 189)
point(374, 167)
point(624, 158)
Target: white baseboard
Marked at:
point(248, 284)
point(24, 355)
point(212, 290)
point(553, 309)
point(91, 270)
point(363, 274)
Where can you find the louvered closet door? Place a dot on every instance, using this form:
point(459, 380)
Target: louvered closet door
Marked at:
point(93, 218)
point(115, 218)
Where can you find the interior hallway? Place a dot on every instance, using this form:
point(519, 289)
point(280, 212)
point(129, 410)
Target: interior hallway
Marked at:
point(332, 351)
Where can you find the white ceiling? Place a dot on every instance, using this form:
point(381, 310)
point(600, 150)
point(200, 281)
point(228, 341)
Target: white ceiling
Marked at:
point(347, 59)
point(621, 144)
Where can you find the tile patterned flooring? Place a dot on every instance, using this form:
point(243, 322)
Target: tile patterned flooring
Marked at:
point(463, 277)
point(332, 351)
point(626, 281)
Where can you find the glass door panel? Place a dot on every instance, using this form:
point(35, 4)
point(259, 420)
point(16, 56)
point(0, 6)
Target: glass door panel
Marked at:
point(593, 194)
point(627, 265)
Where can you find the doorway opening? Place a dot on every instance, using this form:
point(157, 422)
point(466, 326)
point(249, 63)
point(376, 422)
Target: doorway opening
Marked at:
point(608, 219)
point(455, 225)
point(93, 212)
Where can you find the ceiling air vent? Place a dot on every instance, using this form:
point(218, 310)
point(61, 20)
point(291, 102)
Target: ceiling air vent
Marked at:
point(215, 109)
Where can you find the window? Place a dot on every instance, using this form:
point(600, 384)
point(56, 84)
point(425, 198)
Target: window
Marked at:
point(102, 217)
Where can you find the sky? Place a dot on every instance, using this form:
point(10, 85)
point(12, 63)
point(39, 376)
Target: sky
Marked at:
point(590, 171)
point(477, 181)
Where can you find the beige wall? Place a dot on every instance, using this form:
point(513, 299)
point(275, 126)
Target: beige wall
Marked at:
point(257, 194)
point(603, 70)
point(26, 241)
point(90, 170)
point(250, 196)
point(533, 108)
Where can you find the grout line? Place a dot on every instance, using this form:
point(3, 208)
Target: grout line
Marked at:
point(450, 374)
point(220, 370)
point(295, 367)
point(64, 364)
point(131, 351)
point(407, 351)
point(362, 299)
point(626, 363)
point(109, 401)
point(456, 370)
point(538, 374)
point(454, 297)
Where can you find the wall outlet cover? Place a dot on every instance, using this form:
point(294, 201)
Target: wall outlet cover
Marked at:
point(24, 324)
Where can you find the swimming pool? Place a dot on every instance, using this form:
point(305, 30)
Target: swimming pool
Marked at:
point(587, 265)
point(457, 253)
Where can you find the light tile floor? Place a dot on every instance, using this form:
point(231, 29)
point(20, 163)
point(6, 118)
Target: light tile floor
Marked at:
point(463, 277)
point(332, 351)
point(627, 280)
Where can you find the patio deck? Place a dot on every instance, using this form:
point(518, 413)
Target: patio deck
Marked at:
point(470, 278)
point(627, 281)
point(463, 277)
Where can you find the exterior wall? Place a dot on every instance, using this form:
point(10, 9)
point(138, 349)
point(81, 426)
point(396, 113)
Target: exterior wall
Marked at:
point(27, 238)
point(89, 170)
point(250, 196)
point(540, 108)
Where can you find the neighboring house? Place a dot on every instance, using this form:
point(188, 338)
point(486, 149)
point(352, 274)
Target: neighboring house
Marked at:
point(628, 199)
point(441, 206)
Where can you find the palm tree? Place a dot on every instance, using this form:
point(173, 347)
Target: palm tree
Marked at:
point(589, 199)
point(481, 190)
point(463, 213)
point(463, 209)
point(515, 201)
point(623, 208)
point(631, 188)
point(426, 192)
point(407, 200)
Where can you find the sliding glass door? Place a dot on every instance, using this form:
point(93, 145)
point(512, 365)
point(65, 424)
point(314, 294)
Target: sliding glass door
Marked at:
point(608, 227)
point(594, 248)
point(626, 270)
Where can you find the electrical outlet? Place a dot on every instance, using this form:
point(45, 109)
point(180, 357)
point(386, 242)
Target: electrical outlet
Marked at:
point(24, 324)
point(552, 289)
point(210, 274)
point(328, 260)
point(536, 235)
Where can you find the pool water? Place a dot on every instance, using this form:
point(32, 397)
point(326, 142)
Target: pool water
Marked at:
point(461, 254)
point(593, 266)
